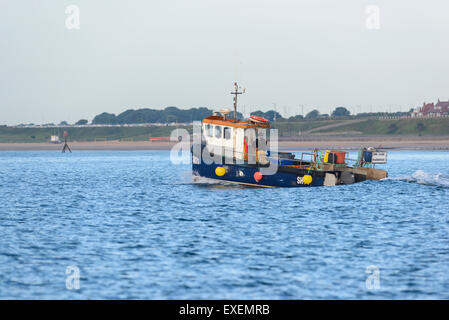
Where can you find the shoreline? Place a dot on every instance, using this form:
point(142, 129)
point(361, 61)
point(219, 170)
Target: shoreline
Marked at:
point(338, 143)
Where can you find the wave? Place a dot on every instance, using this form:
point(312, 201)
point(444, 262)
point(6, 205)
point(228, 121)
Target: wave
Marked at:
point(188, 179)
point(203, 180)
point(427, 178)
point(216, 184)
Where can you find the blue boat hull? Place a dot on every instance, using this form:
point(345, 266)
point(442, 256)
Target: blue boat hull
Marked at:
point(244, 174)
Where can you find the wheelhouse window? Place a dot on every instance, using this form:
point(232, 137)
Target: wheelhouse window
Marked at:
point(217, 131)
point(227, 133)
point(209, 130)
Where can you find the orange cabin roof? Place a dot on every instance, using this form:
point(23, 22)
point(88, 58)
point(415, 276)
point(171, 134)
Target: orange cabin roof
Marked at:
point(234, 123)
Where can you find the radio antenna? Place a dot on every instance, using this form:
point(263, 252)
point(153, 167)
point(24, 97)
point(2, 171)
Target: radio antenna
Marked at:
point(235, 93)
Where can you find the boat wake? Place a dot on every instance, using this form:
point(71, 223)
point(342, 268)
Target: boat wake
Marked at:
point(426, 178)
point(212, 183)
point(203, 180)
point(186, 178)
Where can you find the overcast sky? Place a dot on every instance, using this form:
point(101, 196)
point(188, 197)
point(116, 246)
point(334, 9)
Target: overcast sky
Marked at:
point(136, 54)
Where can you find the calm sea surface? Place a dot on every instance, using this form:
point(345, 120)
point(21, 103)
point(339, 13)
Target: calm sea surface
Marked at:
point(137, 227)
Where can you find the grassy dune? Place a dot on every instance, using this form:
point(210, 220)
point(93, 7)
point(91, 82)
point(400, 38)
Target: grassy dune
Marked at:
point(409, 127)
point(432, 126)
point(302, 127)
point(10, 135)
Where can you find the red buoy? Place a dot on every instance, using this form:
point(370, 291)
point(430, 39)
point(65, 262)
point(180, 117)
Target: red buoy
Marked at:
point(258, 176)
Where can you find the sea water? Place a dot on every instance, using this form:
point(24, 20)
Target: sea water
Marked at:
point(132, 225)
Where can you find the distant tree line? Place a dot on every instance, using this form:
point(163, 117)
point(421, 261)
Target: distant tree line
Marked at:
point(167, 115)
point(339, 112)
point(343, 113)
point(176, 115)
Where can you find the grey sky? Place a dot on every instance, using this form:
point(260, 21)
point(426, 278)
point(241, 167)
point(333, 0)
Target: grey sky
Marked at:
point(135, 54)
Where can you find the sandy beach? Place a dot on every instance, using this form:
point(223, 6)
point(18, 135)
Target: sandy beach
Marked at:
point(441, 143)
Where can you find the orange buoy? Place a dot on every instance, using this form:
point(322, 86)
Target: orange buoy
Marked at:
point(258, 176)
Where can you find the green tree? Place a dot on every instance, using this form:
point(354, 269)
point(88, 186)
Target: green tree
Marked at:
point(81, 122)
point(298, 117)
point(314, 114)
point(171, 118)
point(341, 112)
point(105, 118)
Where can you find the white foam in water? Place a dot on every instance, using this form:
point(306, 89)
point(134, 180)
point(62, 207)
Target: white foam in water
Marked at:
point(203, 180)
point(215, 183)
point(186, 177)
point(433, 179)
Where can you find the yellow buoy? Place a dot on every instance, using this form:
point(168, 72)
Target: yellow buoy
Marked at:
point(220, 171)
point(326, 156)
point(307, 179)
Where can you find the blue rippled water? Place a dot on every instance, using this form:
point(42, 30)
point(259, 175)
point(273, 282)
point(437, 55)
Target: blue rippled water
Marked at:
point(137, 227)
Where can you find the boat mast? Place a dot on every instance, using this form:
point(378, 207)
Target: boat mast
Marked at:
point(235, 93)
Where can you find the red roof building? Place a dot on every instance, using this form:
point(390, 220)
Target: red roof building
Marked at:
point(441, 108)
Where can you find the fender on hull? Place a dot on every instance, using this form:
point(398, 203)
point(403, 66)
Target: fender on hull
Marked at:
point(245, 175)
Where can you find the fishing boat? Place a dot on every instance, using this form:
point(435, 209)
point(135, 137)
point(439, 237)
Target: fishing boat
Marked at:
point(242, 152)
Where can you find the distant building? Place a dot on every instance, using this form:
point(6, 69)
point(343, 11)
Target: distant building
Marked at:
point(55, 139)
point(441, 108)
point(444, 105)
